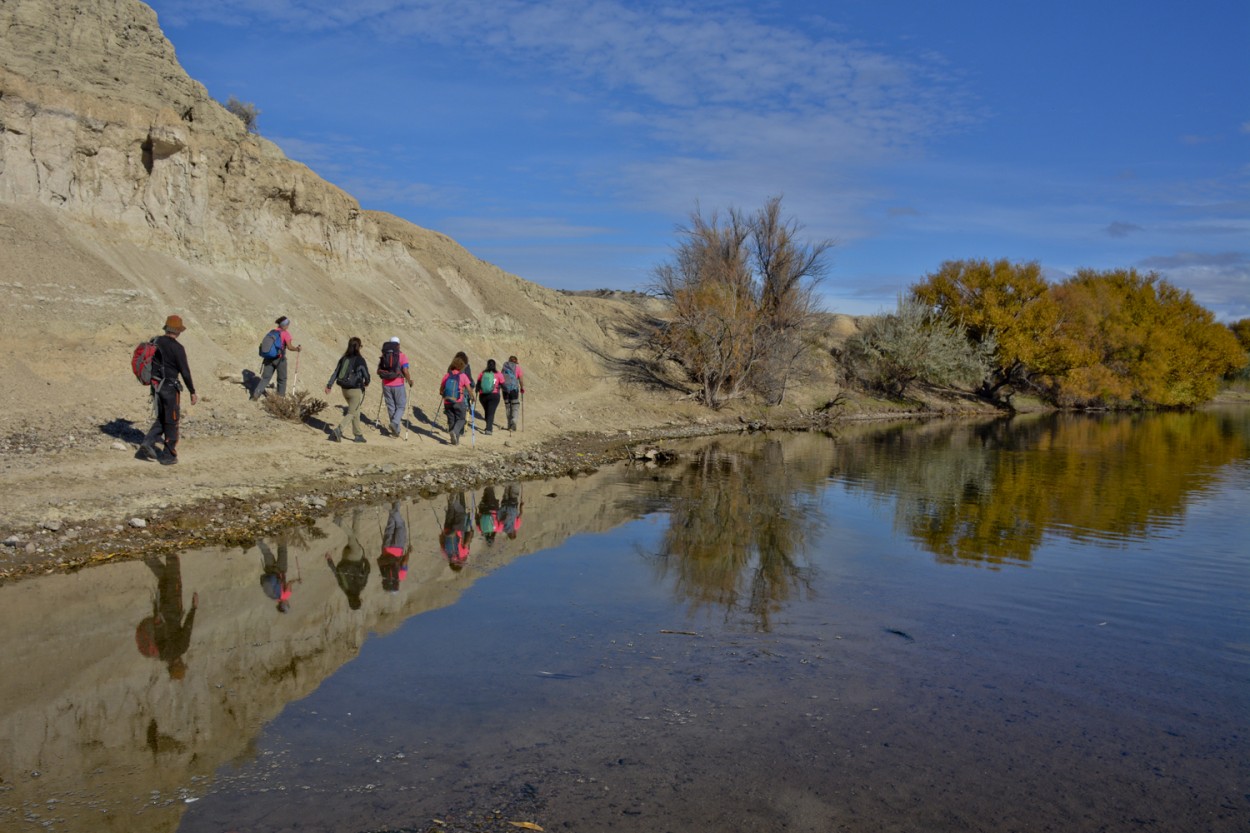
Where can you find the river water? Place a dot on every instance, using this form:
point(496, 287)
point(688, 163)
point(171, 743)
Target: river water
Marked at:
point(1029, 625)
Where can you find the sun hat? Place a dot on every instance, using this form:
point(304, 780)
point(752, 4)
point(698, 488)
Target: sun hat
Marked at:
point(173, 324)
point(395, 339)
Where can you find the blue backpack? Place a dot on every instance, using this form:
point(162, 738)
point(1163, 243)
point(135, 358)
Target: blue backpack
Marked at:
point(510, 383)
point(451, 388)
point(271, 345)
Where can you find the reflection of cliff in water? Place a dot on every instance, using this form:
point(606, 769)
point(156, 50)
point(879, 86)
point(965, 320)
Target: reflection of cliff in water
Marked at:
point(93, 714)
point(988, 493)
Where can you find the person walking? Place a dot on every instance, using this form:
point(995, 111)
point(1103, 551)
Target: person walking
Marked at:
point(513, 390)
point(468, 371)
point(351, 374)
point(393, 562)
point(352, 569)
point(487, 387)
point(393, 371)
point(456, 536)
point(273, 578)
point(166, 634)
point(273, 349)
point(510, 510)
point(455, 388)
point(166, 392)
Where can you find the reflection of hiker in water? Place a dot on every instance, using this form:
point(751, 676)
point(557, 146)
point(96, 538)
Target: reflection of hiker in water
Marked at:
point(166, 635)
point(273, 578)
point(393, 562)
point(510, 510)
point(352, 571)
point(457, 532)
point(488, 516)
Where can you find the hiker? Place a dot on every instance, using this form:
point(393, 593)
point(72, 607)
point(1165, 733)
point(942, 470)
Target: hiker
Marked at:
point(166, 634)
point(393, 371)
point(393, 562)
point(352, 375)
point(273, 350)
point(273, 578)
point(488, 516)
point(166, 392)
point(454, 388)
point(513, 390)
point(510, 510)
point(468, 371)
point(488, 384)
point(457, 532)
point(352, 571)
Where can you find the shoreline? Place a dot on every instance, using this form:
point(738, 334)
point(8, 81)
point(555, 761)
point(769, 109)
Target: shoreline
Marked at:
point(223, 520)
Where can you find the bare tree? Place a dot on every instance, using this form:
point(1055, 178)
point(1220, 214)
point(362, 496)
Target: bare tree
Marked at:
point(741, 289)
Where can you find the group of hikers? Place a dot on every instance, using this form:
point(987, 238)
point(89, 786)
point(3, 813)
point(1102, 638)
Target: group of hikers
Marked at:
point(161, 363)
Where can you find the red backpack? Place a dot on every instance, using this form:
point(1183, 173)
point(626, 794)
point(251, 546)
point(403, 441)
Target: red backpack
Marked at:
point(144, 362)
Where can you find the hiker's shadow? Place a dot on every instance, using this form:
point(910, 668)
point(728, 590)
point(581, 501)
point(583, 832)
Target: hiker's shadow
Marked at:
point(122, 429)
point(250, 380)
point(424, 426)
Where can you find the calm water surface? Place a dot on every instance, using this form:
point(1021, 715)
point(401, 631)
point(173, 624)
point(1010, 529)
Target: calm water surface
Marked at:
point(1035, 625)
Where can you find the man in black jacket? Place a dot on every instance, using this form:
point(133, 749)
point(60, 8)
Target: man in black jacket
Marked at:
point(171, 363)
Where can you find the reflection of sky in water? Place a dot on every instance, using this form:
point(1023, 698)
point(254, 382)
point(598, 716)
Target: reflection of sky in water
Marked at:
point(826, 661)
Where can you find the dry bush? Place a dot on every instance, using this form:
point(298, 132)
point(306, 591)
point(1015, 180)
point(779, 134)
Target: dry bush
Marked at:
point(298, 407)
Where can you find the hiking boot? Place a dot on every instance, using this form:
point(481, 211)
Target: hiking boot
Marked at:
point(487, 432)
point(146, 452)
point(336, 436)
point(359, 438)
point(169, 460)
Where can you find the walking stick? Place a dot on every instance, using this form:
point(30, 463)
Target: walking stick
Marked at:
point(295, 381)
point(472, 434)
point(522, 411)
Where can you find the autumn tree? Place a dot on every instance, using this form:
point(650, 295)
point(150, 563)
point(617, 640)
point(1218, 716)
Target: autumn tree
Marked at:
point(1010, 302)
point(741, 291)
point(1137, 340)
point(917, 343)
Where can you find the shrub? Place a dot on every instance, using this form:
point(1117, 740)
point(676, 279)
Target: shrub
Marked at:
point(246, 111)
point(298, 407)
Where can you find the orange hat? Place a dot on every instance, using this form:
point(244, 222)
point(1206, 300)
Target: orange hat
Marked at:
point(173, 324)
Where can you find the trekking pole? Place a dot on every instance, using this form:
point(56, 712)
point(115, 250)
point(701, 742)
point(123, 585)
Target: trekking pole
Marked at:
point(295, 381)
point(472, 434)
point(522, 411)
point(377, 419)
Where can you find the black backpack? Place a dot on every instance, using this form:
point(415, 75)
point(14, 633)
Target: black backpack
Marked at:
point(388, 365)
point(353, 373)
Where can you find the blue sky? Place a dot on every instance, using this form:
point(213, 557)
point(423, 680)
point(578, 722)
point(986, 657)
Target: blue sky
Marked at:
point(565, 140)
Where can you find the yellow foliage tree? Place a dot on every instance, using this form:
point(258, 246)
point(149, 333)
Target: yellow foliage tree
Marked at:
point(1009, 302)
point(1137, 340)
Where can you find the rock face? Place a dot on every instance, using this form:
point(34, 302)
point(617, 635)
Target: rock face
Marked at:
point(127, 193)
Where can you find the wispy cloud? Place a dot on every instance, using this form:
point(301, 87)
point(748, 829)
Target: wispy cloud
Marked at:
point(1217, 280)
point(1118, 229)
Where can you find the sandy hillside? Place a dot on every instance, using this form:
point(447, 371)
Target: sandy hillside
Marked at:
point(129, 195)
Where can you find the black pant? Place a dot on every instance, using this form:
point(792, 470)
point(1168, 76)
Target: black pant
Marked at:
point(490, 401)
point(168, 412)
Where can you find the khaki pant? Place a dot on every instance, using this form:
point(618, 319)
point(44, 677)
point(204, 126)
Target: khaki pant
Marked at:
point(355, 398)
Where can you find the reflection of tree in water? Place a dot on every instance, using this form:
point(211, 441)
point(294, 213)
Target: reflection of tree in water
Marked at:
point(737, 532)
point(989, 494)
